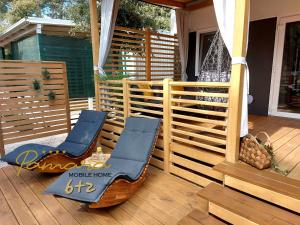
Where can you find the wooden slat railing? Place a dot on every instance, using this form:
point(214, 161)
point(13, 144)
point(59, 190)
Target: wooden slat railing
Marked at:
point(145, 98)
point(198, 129)
point(111, 99)
point(194, 133)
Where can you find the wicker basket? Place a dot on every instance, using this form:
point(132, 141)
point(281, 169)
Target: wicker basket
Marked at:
point(254, 150)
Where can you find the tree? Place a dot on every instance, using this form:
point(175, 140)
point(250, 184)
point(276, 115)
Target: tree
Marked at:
point(3, 10)
point(132, 13)
point(19, 9)
point(79, 12)
point(137, 14)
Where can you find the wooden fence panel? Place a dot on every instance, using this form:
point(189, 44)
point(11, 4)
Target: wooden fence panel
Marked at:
point(164, 57)
point(143, 54)
point(198, 129)
point(127, 53)
point(194, 135)
point(28, 112)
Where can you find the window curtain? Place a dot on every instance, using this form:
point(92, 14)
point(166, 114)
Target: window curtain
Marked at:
point(182, 24)
point(109, 12)
point(225, 13)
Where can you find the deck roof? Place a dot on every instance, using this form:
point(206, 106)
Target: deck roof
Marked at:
point(32, 25)
point(184, 4)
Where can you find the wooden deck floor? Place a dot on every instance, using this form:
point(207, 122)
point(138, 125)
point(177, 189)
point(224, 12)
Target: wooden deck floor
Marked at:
point(164, 199)
point(285, 136)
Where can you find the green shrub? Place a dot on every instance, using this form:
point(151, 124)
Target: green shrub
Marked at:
point(36, 85)
point(51, 96)
point(46, 74)
point(117, 76)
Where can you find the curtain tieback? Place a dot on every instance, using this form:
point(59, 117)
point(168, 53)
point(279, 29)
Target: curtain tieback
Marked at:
point(100, 69)
point(239, 60)
point(242, 60)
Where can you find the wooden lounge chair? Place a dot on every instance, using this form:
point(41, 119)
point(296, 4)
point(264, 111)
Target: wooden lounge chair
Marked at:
point(127, 167)
point(79, 145)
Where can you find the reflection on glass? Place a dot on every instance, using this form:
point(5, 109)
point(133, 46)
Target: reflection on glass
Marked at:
point(289, 93)
point(205, 43)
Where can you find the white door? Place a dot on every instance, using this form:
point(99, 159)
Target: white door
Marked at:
point(285, 86)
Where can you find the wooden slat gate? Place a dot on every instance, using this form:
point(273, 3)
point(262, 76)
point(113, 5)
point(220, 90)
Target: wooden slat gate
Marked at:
point(27, 111)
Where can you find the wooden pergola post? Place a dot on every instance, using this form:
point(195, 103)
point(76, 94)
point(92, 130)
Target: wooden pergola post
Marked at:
point(95, 46)
point(2, 151)
point(166, 123)
point(237, 79)
point(148, 53)
point(125, 98)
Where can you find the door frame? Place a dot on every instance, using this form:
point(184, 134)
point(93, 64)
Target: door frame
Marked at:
point(277, 67)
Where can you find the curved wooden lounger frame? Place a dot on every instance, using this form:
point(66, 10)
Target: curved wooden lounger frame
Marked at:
point(59, 162)
point(121, 189)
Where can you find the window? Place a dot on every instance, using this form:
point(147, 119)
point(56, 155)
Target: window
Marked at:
point(219, 61)
point(203, 42)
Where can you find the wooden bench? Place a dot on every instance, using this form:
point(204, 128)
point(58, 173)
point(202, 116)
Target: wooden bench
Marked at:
point(238, 208)
point(263, 184)
point(196, 217)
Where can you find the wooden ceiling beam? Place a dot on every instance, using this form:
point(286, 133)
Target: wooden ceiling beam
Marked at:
point(168, 3)
point(189, 6)
point(198, 5)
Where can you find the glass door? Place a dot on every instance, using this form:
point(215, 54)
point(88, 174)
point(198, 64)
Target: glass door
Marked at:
point(285, 87)
point(289, 92)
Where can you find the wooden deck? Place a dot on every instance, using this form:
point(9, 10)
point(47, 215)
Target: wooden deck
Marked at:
point(285, 136)
point(164, 199)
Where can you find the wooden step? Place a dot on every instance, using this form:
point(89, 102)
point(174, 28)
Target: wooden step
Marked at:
point(237, 208)
point(263, 184)
point(196, 217)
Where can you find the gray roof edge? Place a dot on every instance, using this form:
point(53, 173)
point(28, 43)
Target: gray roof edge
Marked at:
point(35, 20)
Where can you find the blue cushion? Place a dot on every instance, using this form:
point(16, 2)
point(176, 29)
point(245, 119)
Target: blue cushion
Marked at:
point(99, 183)
point(33, 153)
point(127, 161)
point(137, 139)
point(86, 129)
point(130, 168)
point(100, 178)
point(73, 149)
point(92, 116)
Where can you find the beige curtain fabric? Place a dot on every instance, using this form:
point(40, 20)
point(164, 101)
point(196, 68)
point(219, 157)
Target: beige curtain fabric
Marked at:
point(109, 12)
point(182, 23)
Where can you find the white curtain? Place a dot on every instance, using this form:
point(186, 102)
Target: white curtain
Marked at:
point(182, 23)
point(109, 12)
point(225, 13)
